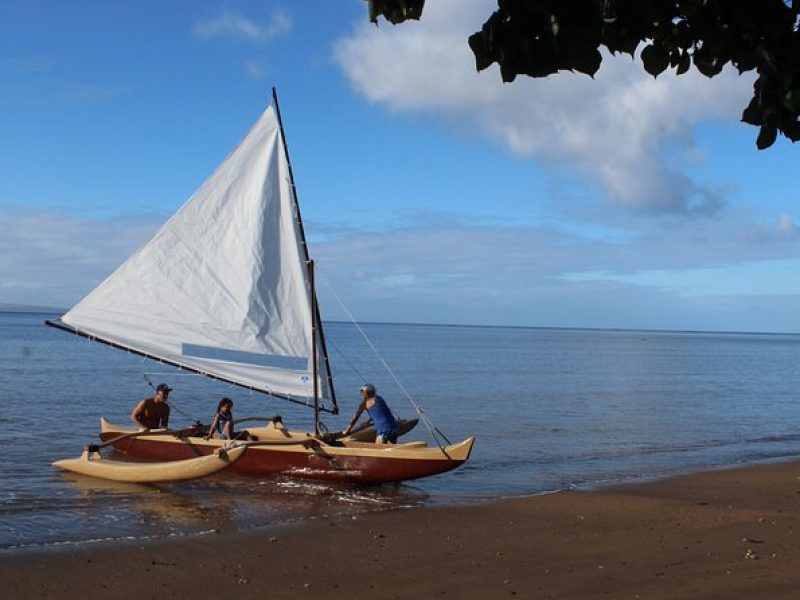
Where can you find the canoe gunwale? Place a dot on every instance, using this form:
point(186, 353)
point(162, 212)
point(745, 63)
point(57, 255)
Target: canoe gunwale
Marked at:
point(309, 457)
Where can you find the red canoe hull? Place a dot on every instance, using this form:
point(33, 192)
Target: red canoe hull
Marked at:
point(319, 463)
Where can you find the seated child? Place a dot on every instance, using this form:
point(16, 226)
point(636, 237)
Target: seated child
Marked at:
point(223, 423)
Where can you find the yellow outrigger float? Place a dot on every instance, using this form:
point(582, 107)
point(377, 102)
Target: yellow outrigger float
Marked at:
point(93, 464)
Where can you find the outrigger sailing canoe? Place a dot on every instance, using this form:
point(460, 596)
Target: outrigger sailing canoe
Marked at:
point(301, 454)
point(226, 289)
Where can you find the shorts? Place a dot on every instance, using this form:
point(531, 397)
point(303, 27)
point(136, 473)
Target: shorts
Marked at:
point(387, 437)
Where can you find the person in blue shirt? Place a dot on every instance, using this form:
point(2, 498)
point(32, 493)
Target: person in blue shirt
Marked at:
point(383, 419)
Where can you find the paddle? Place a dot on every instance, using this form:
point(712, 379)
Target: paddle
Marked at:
point(327, 438)
point(361, 426)
point(133, 434)
point(274, 419)
point(298, 442)
point(332, 436)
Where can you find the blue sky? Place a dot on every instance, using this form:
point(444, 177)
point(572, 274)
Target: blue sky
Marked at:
point(430, 192)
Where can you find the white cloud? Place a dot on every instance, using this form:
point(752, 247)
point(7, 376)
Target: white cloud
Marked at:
point(48, 258)
point(231, 25)
point(27, 65)
point(451, 272)
point(741, 280)
point(444, 270)
point(451, 252)
point(613, 130)
point(787, 226)
point(93, 94)
point(255, 69)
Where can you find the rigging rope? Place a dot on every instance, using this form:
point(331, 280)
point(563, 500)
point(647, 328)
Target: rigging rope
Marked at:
point(190, 417)
point(432, 429)
point(345, 359)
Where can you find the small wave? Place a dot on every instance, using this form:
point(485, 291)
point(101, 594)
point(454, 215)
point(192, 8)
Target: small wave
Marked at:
point(15, 506)
point(306, 486)
point(789, 437)
point(362, 499)
point(100, 540)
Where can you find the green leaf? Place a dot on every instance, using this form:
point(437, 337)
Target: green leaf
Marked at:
point(588, 62)
point(792, 130)
point(477, 43)
point(395, 11)
point(707, 65)
point(745, 59)
point(655, 59)
point(791, 99)
point(683, 63)
point(754, 113)
point(767, 135)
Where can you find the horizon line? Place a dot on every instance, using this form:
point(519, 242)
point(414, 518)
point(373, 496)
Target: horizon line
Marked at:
point(46, 310)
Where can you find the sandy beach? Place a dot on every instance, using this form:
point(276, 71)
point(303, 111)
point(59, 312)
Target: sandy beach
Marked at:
point(717, 534)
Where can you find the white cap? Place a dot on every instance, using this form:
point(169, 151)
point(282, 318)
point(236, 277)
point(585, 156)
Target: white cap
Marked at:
point(369, 388)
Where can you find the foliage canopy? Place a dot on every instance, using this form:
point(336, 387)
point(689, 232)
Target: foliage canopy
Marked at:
point(538, 38)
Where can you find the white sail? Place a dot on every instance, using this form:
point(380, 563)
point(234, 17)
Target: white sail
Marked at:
point(222, 288)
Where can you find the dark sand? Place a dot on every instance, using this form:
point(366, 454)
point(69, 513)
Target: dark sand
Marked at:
point(721, 534)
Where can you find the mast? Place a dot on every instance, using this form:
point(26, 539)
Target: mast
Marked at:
point(314, 367)
point(315, 314)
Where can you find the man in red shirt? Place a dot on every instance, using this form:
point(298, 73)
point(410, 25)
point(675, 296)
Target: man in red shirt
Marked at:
point(153, 413)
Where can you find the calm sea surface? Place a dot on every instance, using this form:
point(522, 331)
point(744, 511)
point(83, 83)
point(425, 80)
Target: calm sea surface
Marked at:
point(551, 409)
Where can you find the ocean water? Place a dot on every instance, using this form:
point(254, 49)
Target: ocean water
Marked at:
point(551, 409)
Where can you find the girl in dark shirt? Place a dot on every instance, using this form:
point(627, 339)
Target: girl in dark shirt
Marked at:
point(223, 423)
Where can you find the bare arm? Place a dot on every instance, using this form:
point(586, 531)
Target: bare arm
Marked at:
point(360, 410)
point(136, 413)
point(213, 426)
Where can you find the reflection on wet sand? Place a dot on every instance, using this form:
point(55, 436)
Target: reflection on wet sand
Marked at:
point(264, 501)
point(157, 505)
point(227, 501)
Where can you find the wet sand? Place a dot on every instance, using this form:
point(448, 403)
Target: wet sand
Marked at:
point(718, 534)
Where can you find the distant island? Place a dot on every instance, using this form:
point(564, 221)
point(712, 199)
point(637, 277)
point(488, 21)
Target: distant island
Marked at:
point(27, 308)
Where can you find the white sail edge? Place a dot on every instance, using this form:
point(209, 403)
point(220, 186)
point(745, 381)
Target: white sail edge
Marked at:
point(304, 399)
point(209, 277)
